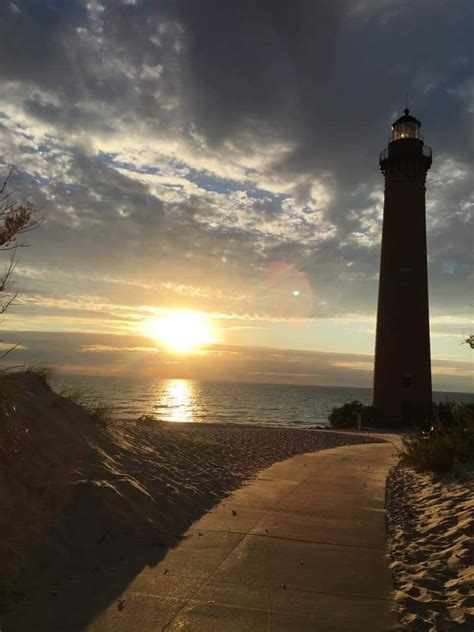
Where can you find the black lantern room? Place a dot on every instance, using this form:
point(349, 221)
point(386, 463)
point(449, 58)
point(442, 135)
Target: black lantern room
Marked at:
point(406, 126)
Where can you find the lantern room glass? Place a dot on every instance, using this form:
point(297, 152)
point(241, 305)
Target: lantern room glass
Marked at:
point(407, 129)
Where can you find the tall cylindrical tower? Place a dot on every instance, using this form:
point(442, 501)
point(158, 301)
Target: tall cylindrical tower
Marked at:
point(402, 376)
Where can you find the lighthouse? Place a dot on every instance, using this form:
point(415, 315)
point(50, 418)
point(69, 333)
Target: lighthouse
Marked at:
point(402, 374)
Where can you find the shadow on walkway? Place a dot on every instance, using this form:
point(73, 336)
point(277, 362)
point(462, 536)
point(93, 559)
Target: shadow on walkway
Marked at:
point(138, 499)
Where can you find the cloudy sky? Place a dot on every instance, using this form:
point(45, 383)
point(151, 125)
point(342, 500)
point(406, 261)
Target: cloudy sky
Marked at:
point(217, 155)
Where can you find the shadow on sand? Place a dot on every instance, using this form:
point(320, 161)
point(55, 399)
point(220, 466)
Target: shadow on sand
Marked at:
point(147, 484)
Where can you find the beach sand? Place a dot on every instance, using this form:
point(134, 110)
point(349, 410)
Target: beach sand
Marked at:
point(80, 498)
point(431, 545)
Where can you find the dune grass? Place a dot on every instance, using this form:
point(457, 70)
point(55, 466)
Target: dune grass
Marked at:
point(10, 392)
point(99, 411)
point(445, 442)
point(12, 389)
point(43, 370)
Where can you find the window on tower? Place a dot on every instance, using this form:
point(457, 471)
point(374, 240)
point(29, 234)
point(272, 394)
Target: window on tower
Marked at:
point(405, 275)
point(406, 380)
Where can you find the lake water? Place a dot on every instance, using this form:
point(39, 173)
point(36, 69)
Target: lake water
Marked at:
point(222, 402)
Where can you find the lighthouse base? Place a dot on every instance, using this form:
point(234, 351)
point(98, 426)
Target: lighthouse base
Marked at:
point(405, 413)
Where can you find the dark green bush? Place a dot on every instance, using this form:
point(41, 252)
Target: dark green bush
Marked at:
point(465, 415)
point(445, 413)
point(345, 416)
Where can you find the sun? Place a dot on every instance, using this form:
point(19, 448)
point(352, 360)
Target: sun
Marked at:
point(181, 331)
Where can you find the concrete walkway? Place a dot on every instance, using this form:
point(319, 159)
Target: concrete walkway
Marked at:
point(301, 548)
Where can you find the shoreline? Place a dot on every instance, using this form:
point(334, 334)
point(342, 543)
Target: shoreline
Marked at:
point(193, 400)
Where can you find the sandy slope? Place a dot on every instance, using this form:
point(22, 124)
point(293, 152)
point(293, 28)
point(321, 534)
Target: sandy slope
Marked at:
point(431, 544)
point(41, 456)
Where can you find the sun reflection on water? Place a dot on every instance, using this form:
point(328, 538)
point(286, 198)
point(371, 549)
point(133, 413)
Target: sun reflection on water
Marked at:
point(175, 401)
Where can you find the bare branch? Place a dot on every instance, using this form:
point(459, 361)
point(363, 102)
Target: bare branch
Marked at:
point(8, 248)
point(7, 180)
point(5, 353)
point(5, 279)
point(16, 219)
point(6, 305)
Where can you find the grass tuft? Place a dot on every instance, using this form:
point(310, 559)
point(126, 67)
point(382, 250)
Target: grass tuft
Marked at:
point(10, 392)
point(43, 370)
point(100, 412)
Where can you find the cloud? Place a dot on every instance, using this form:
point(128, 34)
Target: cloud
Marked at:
point(99, 348)
point(182, 149)
point(132, 355)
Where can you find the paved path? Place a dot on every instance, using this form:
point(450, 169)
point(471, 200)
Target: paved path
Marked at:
point(301, 548)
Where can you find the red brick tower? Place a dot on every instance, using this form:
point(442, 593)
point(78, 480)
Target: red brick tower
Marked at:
point(402, 376)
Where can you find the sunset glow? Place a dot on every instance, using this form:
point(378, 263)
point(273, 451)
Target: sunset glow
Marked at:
point(184, 164)
point(181, 331)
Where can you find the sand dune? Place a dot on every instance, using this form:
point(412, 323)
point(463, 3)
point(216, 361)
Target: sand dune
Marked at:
point(81, 498)
point(431, 544)
point(41, 457)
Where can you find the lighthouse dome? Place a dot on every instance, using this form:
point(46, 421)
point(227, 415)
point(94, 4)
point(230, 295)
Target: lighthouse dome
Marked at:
point(407, 118)
point(407, 126)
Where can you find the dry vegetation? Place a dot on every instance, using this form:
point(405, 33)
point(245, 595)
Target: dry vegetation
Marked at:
point(430, 509)
point(16, 219)
point(444, 442)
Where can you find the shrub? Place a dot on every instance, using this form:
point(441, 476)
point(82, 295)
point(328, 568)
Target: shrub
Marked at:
point(434, 454)
point(345, 416)
point(465, 415)
point(448, 413)
point(449, 440)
